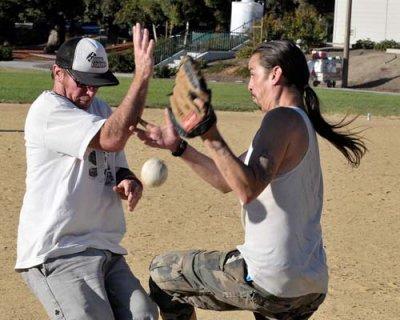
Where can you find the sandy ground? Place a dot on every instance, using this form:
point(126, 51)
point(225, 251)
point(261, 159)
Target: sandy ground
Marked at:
point(361, 217)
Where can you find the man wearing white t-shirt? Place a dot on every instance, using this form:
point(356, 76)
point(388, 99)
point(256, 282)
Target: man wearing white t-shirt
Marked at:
point(72, 220)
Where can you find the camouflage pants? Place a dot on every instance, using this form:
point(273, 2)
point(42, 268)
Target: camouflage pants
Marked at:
point(180, 281)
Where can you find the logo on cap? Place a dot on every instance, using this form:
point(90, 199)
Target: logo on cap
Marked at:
point(95, 61)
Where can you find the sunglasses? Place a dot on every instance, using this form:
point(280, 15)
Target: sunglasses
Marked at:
point(79, 84)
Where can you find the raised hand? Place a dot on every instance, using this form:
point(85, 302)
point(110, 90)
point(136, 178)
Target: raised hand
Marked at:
point(162, 137)
point(143, 49)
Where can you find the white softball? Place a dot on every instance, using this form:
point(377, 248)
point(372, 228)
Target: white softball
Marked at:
point(154, 172)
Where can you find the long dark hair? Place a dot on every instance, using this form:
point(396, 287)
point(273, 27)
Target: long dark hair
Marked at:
point(291, 59)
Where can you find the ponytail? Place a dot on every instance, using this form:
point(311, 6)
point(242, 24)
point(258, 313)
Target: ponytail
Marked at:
point(295, 70)
point(349, 144)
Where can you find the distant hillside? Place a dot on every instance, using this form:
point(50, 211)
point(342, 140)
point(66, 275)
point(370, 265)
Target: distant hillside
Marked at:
point(368, 69)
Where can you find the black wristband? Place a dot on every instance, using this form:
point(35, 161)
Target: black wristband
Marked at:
point(122, 173)
point(134, 178)
point(181, 148)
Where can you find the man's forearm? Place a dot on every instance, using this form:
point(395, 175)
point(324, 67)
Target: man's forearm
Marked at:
point(115, 132)
point(132, 106)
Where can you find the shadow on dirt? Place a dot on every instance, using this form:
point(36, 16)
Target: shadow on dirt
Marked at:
point(373, 84)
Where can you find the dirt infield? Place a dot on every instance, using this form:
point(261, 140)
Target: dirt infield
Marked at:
point(361, 220)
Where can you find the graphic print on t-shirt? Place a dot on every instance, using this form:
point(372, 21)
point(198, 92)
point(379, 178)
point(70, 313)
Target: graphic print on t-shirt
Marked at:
point(100, 166)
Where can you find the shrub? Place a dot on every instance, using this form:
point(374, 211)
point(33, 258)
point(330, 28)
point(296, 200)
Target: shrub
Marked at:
point(385, 44)
point(163, 72)
point(244, 52)
point(364, 44)
point(202, 63)
point(121, 61)
point(6, 53)
point(218, 67)
point(242, 72)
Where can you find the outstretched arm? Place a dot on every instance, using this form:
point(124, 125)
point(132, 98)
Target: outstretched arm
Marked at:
point(166, 137)
point(279, 145)
point(115, 131)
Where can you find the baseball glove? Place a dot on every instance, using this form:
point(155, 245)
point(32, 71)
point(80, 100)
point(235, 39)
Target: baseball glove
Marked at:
point(190, 120)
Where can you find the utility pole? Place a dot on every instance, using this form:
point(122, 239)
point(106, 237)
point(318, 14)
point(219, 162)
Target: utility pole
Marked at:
point(347, 31)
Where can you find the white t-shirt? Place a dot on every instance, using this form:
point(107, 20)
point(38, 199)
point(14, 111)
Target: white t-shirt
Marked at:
point(283, 246)
point(69, 204)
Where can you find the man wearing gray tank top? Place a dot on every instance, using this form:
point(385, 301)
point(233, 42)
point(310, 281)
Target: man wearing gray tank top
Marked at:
point(280, 271)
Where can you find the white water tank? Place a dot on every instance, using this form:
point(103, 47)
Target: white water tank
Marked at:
point(243, 14)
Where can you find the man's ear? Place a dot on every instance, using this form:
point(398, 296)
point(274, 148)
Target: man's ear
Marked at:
point(58, 73)
point(277, 74)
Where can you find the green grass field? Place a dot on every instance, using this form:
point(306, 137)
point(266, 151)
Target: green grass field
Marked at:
point(22, 86)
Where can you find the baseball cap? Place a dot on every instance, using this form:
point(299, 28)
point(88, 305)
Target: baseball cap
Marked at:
point(86, 59)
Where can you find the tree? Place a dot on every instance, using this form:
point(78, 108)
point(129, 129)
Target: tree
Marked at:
point(116, 15)
point(201, 14)
point(323, 7)
point(304, 23)
point(48, 14)
point(8, 16)
point(44, 14)
point(308, 25)
point(55, 12)
point(222, 13)
point(147, 12)
point(280, 8)
point(283, 7)
point(275, 28)
point(105, 17)
point(179, 12)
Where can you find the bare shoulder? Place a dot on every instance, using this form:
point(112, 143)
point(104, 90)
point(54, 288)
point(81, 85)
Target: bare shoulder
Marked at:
point(284, 119)
point(287, 134)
